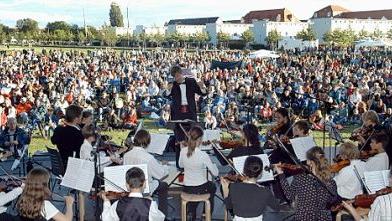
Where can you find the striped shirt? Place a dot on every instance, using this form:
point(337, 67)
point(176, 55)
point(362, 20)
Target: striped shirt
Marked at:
point(381, 209)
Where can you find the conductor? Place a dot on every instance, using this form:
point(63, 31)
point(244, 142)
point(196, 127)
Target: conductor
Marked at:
point(183, 106)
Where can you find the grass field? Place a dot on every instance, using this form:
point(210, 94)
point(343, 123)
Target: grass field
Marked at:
point(39, 143)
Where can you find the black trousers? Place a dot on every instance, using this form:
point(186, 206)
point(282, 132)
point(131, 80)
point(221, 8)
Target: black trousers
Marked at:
point(161, 191)
point(208, 187)
point(8, 217)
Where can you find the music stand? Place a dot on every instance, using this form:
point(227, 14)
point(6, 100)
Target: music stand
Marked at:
point(334, 134)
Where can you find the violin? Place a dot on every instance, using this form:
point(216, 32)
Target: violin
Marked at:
point(366, 200)
point(336, 167)
point(364, 131)
point(291, 169)
point(230, 144)
point(115, 195)
point(237, 178)
point(364, 155)
point(275, 129)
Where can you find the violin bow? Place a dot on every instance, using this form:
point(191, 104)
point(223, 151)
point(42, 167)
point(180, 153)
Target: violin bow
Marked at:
point(13, 178)
point(367, 140)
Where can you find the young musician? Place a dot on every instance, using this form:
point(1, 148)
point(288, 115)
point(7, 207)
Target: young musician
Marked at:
point(283, 130)
point(157, 171)
point(247, 199)
point(69, 138)
point(347, 181)
point(194, 161)
point(380, 161)
point(6, 198)
point(371, 125)
point(310, 196)
point(380, 210)
point(87, 119)
point(134, 206)
point(250, 136)
point(301, 128)
point(34, 202)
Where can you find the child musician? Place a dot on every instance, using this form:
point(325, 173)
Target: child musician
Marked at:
point(34, 202)
point(134, 206)
point(247, 199)
point(380, 210)
point(194, 161)
point(310, 196)
point(157, 171)
point(380, 161)
point(348, 179)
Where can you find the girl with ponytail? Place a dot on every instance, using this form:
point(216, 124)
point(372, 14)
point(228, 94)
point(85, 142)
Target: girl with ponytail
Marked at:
point(311, 198)
point(196, 163)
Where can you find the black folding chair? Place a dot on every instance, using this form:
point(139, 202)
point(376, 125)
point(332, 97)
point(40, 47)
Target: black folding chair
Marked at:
point(57, 165)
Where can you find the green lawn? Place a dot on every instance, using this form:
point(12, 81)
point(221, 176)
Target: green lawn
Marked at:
point(39, 143)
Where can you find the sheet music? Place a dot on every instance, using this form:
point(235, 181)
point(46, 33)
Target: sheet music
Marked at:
point(116, 175)
point(140, 126)
point(21, 154)
point(158, 143)
point(376, 180)
point(301, 145)
point(210, 135)
point(79, 174)
point(266, 176)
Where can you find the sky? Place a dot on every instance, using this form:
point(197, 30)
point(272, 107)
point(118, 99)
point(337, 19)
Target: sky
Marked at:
point(157, 12)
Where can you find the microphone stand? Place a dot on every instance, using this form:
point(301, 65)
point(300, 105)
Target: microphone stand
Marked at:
point(95, 152)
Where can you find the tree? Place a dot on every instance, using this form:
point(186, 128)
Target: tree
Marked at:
point(58, 25)
point(223, 37)
point(389, 34)
point(248, 36)
point(108, 35)
point(27, 25)
point(273, 37)
point(363, 34)
point(116, 17)
point(377, 34)
point(307, 34)
point(158, 38)
point(340, 37)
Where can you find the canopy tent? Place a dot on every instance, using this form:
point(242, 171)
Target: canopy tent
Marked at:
point(263, 54)
point(373, 43)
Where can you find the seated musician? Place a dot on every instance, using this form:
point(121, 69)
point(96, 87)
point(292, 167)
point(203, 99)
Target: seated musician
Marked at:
point(380, 161)
point(247, 199)
point(13, 138)
point(310, 196)
point(347, 181)
point(87, 119)
point(68, 138)
point(134, 206)
point(284, 131)
point(250, 136)
point(195, 161)
point(371, 125)
point(380, 210)
point(157, 171)
point(5, 198)
point(34, 202)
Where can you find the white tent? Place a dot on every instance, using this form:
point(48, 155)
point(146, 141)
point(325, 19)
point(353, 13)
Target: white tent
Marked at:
point(263, 54)
point(373, 43)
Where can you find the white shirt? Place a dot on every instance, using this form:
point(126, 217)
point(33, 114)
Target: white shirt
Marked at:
point(139, 155)
point(8, 197)
point(49, 210)
point(381, 209)
point(195, 173)
point(109, 211)
point(347, 181)
point(184, 100)
point(259, 218)
point(85, 154)
point(378, 162)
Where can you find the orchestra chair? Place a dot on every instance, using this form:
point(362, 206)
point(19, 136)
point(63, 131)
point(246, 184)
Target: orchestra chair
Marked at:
point(56, 165)
point(187, 198)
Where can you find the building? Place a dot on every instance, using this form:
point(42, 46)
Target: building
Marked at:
point(333, 18)
point(291, 43)
point(189, 26)
point(123, 31)
point(149, 30)
point(234, 28)
point(278, 15)
point(261, 29)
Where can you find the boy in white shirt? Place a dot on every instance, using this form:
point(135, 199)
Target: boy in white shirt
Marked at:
point(134, 206)
point(380, 161)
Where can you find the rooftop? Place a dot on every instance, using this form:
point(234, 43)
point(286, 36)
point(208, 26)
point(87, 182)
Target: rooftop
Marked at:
point(193, 21)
